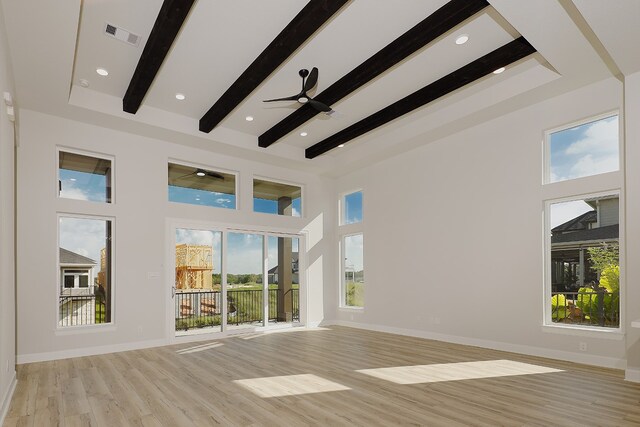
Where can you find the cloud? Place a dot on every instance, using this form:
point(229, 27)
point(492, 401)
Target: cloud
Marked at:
point(599, 137)
point(222, 201)
point(295, 212)
point(71, 191)
point(590, 165)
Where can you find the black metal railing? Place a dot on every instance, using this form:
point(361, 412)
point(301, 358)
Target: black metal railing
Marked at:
point(77, 310)
point(594, 307)
point(202, 309)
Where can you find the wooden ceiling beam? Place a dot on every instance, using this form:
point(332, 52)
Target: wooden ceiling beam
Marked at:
point(172, 15)
point(303, 26)
point(471, 72)
point(441, 21)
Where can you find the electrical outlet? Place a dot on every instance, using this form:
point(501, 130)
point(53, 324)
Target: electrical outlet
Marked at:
point(582, 346)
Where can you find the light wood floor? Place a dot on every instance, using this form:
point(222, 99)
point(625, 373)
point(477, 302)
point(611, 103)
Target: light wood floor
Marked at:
point(194, 385)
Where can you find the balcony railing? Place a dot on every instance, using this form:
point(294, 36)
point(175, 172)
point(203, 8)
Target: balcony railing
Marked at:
point(76, 310)
point(591, 307)
point(202, 309)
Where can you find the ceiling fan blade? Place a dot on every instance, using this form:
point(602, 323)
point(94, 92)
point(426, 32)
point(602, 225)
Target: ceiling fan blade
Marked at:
point(320, 106)
point(288, 98)
point(311, 80)
point(215, 175)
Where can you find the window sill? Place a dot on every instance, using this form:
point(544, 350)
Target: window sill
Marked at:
point(76, 330)
point(585, 331)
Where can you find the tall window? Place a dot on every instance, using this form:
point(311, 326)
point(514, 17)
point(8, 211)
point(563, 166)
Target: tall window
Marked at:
point(83, 177)
point(85, 289)
point(198, 186)
point(277, 198)
point(582, 244)
point(353, 270)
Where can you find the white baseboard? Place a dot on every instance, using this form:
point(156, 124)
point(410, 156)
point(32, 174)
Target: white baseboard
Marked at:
point(632, 375)
point(7, 398)
point(88, 351)
point(588, 359)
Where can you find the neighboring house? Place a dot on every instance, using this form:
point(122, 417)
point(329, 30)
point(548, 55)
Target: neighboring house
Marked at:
point(77, 296)
point(273, 272)
point(570, 266)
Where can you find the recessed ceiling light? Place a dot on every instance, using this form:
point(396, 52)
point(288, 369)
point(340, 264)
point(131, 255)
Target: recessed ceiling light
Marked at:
point(303, 134)
point(249, 118)
point(462, 39)
point(341, 145)
point(499, 70)
point(180, 96)
point(102, 72)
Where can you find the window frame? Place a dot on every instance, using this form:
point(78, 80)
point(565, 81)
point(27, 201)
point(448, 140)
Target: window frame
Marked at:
point(95, 326)
point(343, 287)
point(284, 182)
point(188, 164)
point(87, 153)
point(546, 158)
point(547, 322)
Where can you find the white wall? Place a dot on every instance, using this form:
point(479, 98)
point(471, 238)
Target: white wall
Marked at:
point(142, 214)
point(7, 253)
point(632, 111)
point(453, 235)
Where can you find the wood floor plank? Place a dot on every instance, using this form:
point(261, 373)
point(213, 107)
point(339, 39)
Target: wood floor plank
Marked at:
point(196, 384)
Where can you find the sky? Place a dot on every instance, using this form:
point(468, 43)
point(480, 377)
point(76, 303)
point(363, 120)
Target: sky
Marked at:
point(353, 252)
point(584, 150)
point(84, 236)
point(563, 212)
point(353, 208)
point(83, 186)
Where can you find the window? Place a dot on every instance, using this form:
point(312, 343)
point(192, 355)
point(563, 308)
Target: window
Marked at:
point(82, 177)
point(353, 270)
point(277, 198)
point(583, 257)
point(352, 208)
point(589, 148)
point(198, 186)
point(85, 290)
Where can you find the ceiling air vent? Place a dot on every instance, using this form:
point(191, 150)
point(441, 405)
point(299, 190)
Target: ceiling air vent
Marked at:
point(121, 34)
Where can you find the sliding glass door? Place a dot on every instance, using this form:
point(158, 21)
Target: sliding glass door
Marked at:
point(229, 279)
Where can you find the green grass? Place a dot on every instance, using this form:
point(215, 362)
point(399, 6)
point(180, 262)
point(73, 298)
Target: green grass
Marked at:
point(100, 311)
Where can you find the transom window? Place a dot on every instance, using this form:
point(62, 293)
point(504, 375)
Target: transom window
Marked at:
point(277, 198)
point(586, 149)
point(198, 186)
point(83, 177)
point(352, 208)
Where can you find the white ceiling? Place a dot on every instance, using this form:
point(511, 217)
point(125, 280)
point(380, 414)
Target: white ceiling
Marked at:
point(56, 44)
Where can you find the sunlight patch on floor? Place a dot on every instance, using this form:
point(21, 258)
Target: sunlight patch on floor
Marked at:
point(455, 371)
point(290, 385)
point(198, 348)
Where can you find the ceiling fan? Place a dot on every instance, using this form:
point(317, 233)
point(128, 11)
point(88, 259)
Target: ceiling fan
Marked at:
point(309, 81)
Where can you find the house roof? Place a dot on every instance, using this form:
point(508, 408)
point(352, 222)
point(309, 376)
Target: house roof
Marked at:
point(588, 235)
point(68, 257)
point(580, 222)
point(294, 258)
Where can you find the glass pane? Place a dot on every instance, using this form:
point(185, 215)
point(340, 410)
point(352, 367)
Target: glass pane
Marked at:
point(198, 298)
point(354, 271)
point(244, 279)
point(201, 187)
point(276, 198)
point(284, 282)
point(84, 177)
point(584, 150)
point(352, 208)
point(584, 261)
point(85, 246)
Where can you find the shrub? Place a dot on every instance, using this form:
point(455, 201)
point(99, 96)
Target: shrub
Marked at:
point(559, 307)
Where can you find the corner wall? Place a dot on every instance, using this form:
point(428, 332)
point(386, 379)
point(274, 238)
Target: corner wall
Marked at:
point(453, 236)
point(7, 232)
